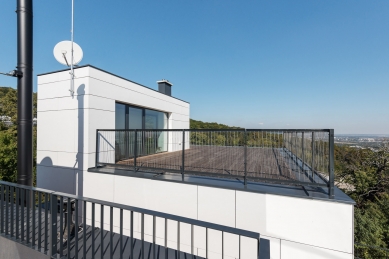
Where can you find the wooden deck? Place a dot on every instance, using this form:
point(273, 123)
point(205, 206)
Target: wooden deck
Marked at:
point(42, 244)
point(271, 163)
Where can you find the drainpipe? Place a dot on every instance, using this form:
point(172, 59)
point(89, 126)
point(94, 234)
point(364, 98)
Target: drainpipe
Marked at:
point(24, 67)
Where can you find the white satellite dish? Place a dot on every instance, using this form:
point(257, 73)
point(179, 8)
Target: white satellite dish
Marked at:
point(63, 53)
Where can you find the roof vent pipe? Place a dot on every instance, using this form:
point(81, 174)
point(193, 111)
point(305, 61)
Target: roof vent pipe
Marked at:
point(165, 87)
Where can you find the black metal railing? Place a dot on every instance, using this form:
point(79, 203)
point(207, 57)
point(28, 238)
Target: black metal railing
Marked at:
point(68, 226)
point(298, 156)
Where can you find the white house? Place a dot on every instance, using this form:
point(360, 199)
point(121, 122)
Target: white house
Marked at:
point(294, 222)
point(67, 135)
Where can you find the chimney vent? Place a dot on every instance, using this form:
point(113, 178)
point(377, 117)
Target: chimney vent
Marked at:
point(165, 87)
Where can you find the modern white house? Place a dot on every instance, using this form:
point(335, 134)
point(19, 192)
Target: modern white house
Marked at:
point(66, 139)
point(293, 221)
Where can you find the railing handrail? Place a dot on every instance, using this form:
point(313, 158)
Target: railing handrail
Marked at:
point(195, 222)
point(237, 130)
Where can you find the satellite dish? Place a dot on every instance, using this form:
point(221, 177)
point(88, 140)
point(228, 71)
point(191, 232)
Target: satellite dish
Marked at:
point(63, 53)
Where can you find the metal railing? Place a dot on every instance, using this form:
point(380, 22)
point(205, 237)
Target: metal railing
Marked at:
point(57, 224)
point(298, 156)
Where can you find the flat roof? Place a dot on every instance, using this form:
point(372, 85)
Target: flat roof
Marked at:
point(305, 192)
point(102, 70)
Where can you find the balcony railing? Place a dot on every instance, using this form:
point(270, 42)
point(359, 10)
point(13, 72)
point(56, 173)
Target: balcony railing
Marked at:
point(302, 157)
point(67, 226)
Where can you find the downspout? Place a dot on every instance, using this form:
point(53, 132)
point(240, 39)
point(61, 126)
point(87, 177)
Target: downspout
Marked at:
point(25, 87)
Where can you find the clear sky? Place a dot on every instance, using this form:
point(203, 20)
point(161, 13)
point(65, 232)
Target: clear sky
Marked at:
point(254, 64)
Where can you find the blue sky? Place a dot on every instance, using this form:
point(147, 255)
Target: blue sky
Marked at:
point(254, 64)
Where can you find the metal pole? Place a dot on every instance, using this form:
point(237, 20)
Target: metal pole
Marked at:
point(313, 156)
point(72, 58)
point(331, 164)
point(183, 154)
point(135, 148)
point(97, 148)
point(25, 66)
point(302, 155)
point(245, 157)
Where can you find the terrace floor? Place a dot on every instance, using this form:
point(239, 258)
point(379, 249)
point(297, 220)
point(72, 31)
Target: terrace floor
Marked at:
point(269, 163)
point(41, 244)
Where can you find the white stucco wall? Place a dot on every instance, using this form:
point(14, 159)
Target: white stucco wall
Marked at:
point(290, 227)
point(66, 140)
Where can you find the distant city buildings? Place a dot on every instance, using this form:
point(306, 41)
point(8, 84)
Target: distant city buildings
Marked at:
point(362, 141)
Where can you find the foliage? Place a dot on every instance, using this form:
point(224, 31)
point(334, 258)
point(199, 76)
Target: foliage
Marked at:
point(8, 154)
point(235, 137)
point(194, 124)
point(8, 135)
point(364, 176)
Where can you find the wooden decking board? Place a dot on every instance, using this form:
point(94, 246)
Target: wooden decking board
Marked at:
point(271, 163)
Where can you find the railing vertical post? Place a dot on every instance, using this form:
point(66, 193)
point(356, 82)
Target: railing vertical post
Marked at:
point(331, 164)
point(258, 247)
point(97, 148)
point(183, 155)
point(17, 216)
point(313, 155)
point(166, 249)
point(121, 235)
point(126, 144)
point(154, 234)
point(245, 157)
point(76, 228)
point(2, 211)
point(135, 148)
point(302, 155)
point(53, 226)
point(33, 208)
point(111, 233)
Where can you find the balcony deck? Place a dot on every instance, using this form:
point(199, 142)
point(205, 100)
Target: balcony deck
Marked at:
point(43, 246)
point(268, 163)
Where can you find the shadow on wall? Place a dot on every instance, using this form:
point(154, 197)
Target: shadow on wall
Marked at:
point(68, 179)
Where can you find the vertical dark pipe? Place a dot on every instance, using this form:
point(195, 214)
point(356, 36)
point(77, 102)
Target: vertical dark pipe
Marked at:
point(24, 24)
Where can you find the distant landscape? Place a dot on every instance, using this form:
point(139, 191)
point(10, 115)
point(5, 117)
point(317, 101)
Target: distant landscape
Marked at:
point(362, 140)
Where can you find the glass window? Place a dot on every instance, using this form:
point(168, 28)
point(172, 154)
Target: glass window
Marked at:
point(135, 118)
point(148, 142)
point(120, 116)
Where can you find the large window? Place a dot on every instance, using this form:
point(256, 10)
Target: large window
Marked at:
point(148, 141)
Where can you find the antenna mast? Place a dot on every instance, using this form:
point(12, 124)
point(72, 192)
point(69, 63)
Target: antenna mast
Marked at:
point(72, 59)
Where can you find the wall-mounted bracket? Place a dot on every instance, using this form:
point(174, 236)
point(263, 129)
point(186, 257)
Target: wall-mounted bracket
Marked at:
point(13, 73)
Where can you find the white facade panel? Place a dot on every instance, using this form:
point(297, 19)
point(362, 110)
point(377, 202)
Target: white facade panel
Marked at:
point(292, 250)
point(61, 179)
point(216, 206)
point(59, 135)
point(313, 222)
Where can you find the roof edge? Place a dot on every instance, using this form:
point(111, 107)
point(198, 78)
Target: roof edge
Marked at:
point(102, 70)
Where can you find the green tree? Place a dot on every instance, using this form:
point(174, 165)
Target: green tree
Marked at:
point(8, 135)
point(364, 176)
point(8, 155)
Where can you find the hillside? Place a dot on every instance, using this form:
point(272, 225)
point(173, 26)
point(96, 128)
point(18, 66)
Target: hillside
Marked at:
point(195, 124)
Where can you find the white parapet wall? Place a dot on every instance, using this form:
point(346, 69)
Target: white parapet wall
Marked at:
point(66, 141)
point(290, 227)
